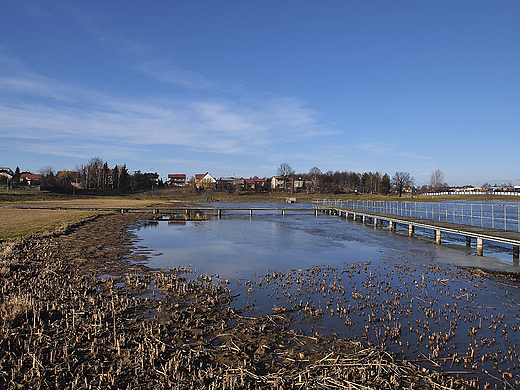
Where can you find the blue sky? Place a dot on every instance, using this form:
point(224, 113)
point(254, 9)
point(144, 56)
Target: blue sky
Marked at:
point(239, 87)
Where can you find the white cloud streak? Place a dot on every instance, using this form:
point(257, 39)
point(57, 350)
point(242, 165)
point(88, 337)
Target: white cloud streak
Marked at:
point(41, 110)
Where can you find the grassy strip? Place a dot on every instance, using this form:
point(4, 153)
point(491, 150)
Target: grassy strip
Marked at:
point(17, 224)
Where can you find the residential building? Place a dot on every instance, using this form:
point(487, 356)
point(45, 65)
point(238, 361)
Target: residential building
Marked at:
point(30, 179)
point(176, 180)
point(254, 183)
point(205, 181)
point(277, 182)
point(7, 172)
point(227, 183)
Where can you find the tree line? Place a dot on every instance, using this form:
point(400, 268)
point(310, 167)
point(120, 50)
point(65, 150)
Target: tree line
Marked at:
point(347, 181)
point(97, 175)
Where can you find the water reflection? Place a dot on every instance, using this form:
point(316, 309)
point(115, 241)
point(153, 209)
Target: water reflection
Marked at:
point(332, 275)
point(238, 247)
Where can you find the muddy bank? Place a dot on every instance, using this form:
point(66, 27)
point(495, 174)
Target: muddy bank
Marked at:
point(78, 312)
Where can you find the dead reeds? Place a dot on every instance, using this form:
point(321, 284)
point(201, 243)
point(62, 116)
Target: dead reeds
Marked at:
point(64, 326)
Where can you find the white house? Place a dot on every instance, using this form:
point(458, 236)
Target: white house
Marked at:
point(277, 182)
point(205, 181)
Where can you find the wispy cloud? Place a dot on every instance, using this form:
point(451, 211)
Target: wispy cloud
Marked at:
point(167, 73)
point(58, 117)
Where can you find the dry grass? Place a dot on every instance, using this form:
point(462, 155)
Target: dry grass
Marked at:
point(94, 202)
point(16, 223)
point(12, 309)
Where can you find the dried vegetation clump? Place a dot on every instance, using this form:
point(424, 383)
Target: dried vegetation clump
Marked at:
point(64, 326)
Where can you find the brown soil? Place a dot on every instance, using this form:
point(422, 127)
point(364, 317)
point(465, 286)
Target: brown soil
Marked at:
point(77, 311)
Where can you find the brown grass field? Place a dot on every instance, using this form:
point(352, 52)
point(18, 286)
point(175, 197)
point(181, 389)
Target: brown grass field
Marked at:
point(23, 223)
point(18, 223)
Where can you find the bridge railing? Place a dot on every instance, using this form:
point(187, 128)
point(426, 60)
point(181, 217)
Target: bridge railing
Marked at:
point(496, 216)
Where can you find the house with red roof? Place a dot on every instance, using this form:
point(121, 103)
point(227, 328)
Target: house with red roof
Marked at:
point(30, 179)
point(254, 183)
point(205, 181)
point(176, 180)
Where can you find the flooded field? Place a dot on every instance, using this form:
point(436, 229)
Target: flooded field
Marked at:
point(341, 278)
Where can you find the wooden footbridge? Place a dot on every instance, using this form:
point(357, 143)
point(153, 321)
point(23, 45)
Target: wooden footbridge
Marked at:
point(437, 227)
point(376, 219)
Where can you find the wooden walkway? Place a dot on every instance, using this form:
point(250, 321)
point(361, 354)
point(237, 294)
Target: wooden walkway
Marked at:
point(438, 227)
point(169, 210)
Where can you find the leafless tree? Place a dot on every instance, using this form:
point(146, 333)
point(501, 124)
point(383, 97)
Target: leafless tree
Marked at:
point(285, 170)
point(48, 176)
point(401, 180)
point(315, 179)
point(437, 180)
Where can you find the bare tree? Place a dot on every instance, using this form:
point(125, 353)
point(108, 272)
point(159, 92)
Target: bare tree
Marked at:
point(401, 180)
point(48, 176)
point(437, 180)
point(285, 170)
point(315, 179)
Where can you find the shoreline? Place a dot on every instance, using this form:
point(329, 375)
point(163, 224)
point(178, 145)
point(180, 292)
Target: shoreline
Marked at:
point(79, 312)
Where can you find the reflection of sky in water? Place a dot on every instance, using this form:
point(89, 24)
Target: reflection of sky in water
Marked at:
point(238, 246)
point(397, 270)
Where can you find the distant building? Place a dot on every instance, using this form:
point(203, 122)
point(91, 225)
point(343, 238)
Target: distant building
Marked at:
point(205, 181)
point(254, 183)
point(228, 183)
point(7, 172)
point(298, 184)
point(30, 179)
point(176, 180)
point(277, 182)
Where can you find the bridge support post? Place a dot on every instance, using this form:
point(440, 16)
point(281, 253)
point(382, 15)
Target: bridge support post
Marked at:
point(316, 213)
point(468, 241)
point(219, 213)
point(354, 216)
point(283, 212)
point(516, 252)
point(411, 230)
point(437, 236)
point(390, 225)
point(364, 218)
point(375, 222)
point(250, 212)
point(480, 246)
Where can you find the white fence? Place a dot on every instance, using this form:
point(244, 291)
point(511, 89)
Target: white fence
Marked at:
point(495, 216)
point(511, 193)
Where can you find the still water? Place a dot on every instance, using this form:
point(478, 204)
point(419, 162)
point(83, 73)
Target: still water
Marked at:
point(337, 276)
point(239, 245)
